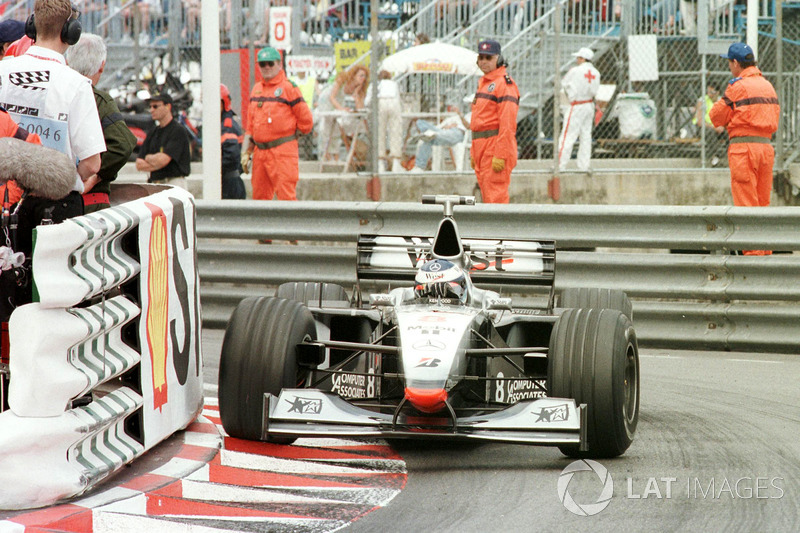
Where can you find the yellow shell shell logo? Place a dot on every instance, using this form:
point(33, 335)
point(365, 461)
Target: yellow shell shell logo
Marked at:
point(157, 316)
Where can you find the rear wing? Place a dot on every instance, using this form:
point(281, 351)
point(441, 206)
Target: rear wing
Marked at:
point(490, 261)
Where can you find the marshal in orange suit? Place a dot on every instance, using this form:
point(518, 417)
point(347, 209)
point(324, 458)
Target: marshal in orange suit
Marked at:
point(276, 116)
point(494, 125)
point(750, 111)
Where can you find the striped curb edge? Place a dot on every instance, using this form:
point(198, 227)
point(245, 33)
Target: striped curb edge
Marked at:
point(219, 483)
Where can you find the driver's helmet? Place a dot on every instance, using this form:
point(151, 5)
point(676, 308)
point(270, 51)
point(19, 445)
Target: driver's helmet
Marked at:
point(440, 278)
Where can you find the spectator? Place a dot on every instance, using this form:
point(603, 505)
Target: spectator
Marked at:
point(88, 57)
point(421, 38)
point(580, 85)
point(10, 31)
point(494, 125)
point(67, 118)
point(449, 132)
point(165, 153)
point(232, 184)
point(714, 135)
point(308, 87)
point(390, 121)
point(346, 94)
point(276, 116)
point(750, 111)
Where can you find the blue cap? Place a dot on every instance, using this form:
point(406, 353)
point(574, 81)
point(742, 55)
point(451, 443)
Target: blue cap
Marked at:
point(740, 52)
point(11, 30)
point(489, 47)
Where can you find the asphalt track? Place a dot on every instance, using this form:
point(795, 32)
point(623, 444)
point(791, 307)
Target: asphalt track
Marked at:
point(716, 449)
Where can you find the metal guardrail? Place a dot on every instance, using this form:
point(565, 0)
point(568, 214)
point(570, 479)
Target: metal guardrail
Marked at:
point(701, 298)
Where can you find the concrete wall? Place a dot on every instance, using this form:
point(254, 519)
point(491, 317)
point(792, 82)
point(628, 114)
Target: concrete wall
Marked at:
point(671, 182)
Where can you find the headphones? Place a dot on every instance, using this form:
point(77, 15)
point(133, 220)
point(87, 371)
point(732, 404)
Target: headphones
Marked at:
point(70, 31)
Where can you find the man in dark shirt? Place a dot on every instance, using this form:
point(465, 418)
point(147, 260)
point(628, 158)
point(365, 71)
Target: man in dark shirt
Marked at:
point(165, 153)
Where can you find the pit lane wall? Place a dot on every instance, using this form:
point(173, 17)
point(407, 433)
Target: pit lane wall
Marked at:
point(116, 316)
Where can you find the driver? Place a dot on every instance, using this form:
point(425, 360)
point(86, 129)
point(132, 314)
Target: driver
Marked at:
point(440, 278)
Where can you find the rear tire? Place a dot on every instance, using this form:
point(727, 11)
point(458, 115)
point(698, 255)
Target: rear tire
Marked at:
point(259, 356)
point(594, 359)
point(307, 292)
point(594, 298)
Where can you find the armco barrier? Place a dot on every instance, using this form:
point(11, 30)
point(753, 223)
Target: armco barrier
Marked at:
point(702, 298)
point(116, 317)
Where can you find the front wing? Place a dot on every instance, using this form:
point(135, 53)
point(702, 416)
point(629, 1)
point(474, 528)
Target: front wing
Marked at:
point(315, 413)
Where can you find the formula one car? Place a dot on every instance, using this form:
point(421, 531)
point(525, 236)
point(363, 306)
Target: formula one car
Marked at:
point(439, 357)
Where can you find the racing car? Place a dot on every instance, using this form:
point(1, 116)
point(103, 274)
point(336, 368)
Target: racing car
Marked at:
point(439, 356)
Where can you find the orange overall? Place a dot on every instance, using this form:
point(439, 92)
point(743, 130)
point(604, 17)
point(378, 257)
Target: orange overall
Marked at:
point(494, 133)
point(751, 113)
point(277, 111)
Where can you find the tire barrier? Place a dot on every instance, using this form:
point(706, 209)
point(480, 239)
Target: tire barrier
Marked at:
point(679, 264)
point(106, 363)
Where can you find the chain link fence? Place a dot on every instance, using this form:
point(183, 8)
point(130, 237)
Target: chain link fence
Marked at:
point(650, 107)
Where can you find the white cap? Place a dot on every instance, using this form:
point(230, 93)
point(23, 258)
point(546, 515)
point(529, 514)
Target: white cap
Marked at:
point(585, 53)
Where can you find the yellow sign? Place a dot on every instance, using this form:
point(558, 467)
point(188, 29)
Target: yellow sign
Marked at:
point(349, 52)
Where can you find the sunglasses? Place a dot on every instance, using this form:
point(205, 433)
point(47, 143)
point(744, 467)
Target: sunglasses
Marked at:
point(266, 63)
point(482, 57)
point(156, 106)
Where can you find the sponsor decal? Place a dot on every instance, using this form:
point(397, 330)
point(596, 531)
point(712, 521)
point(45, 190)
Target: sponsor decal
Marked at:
point(435, 267)
point(21, 109)
point(30, 80)
point(305, 406)
point(556, 413)
point(354, 385)
point(432, 318)
point(158, 303)
point(516, 390)
point(431, 329)
point(428, 362)
point(428, 345)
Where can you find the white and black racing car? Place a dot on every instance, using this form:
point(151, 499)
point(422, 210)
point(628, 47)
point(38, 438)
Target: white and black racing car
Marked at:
point(439, 357)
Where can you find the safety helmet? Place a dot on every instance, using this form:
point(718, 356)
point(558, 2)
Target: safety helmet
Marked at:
point(226, 97)
point(440, 278)
point(268, 54)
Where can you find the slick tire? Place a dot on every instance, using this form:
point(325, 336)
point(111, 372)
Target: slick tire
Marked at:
point(593, 298)
point(594, 359)
point(307, 292)
point(259, 356)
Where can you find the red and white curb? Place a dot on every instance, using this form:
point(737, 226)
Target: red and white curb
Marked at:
point(216, 483)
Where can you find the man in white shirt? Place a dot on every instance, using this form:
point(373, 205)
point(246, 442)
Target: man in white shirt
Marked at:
point(450, 132)
point(580, 85)
point(47, 97)
point(390, 120)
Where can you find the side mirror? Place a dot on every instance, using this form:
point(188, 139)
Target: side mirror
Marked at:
point(497, 304)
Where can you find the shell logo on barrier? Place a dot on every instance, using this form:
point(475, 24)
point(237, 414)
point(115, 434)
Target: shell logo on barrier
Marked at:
point(158, 303)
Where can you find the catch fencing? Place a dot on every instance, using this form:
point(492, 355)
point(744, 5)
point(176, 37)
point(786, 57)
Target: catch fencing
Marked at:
point(676, 263)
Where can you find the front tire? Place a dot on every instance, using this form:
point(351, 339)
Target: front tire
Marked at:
point(594, 359)
point(259, 356)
